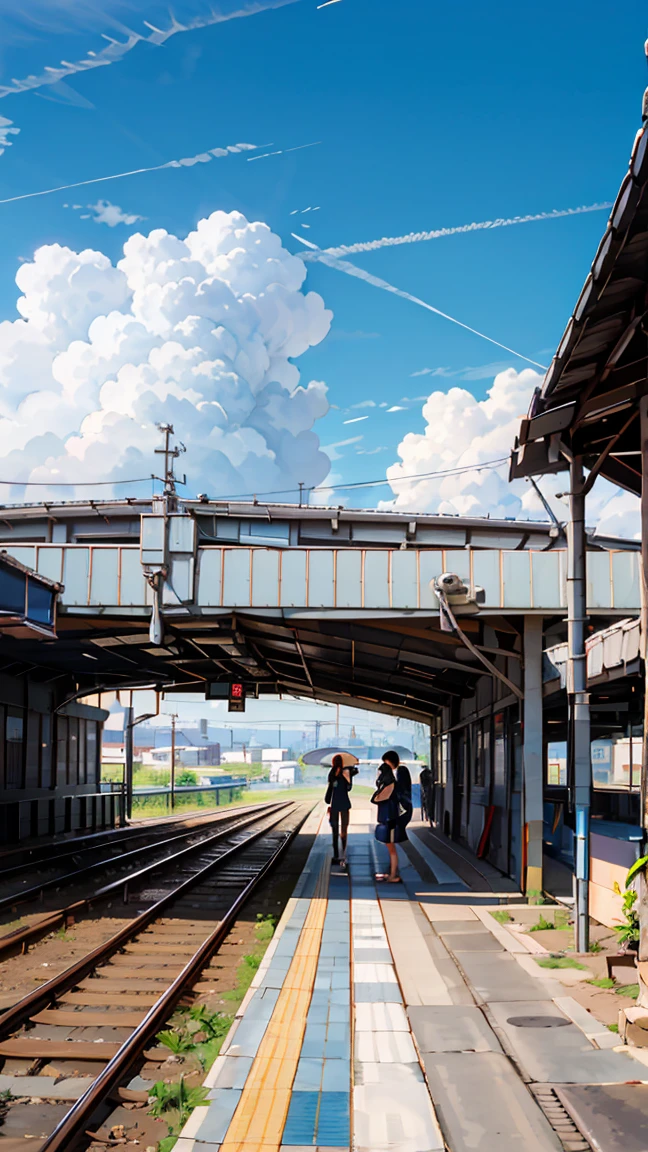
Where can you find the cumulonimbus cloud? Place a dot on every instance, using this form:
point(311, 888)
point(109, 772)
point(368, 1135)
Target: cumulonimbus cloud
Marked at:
point(463, 432)
point(202, 332)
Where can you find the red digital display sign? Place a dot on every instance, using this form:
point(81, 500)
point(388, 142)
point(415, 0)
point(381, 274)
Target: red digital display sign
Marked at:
point(236, 697)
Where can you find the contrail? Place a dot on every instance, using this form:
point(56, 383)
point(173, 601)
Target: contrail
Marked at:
point(281, 151)
point(186, 162)
point(479, 226)
point(116, 50)
point(324, 257)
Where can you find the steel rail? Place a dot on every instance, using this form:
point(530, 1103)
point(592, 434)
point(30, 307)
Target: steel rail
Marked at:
point(13, 1017)
point(32, 893)
point(119, 836)
point(67, 1131)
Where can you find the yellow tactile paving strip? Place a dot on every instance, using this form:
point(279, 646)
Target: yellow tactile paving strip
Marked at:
point(258, 1123)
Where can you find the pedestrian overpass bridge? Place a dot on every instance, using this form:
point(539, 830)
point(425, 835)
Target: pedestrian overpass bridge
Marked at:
point(334, 604)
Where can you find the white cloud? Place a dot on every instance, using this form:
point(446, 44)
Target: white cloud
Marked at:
point(461, 431)
point(202, 332)
point(331, 449)
point(364, 404)
point(355, 420)
point(396, 408)
point(107, 213)
point(473, 372)
point(7, 129)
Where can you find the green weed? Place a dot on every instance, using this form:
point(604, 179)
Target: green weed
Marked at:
point(176, 1042)
point(542, 925)
point(177, 1098)
point(602, 982)
point(560, 962)
point(502, 916)
point(613, 1027)
point(628, 990)
point(265, 927)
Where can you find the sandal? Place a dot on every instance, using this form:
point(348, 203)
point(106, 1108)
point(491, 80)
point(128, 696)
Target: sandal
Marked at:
point(394, 879)
point(381, 876)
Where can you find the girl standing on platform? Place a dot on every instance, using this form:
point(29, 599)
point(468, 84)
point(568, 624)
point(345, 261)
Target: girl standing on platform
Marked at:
point(339, 805)
point(393, 798)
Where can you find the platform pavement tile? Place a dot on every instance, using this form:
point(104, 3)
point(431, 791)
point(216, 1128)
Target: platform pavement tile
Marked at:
point(261, 1006)
point(228, 1072)
point(438, 912)
point(310, 1148)
point(247, 1037)
point(339, 1013)
point(380, 955)
point(380, 1018)
point(336, 1075)
point(314, 1041)
point(339, 979)
point(497, 976)
point(386, 993)
point(374, 974)
point(396, 1116)
point(214, 1124)
point(452, 1028)
point(302, 1116)
point(365, 1073)
point(385, 1048)
point(308, 1077)
point(334, 1120)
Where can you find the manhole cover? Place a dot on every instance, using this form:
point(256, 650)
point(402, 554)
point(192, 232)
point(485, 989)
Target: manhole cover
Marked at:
point(537, 1021)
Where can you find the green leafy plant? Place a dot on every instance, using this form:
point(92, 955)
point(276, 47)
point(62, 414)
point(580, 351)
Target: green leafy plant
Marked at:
point(613, 1027)
point(631, 990)
point(602, 982)
point(177, 1097)
point(627, 931)
point(535, 896)
point(502, 916)
point(561, 962)
point(595, 946)
point(265, 926)
point(542, 925)
point(5, 1097)
point(176, 1042)
point(167, 1143)
point(636, 868)
point(215, 1025)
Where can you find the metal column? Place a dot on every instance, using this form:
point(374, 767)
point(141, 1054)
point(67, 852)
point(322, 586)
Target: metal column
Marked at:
point(128, 760)
point(533, 753)
point(578, 749)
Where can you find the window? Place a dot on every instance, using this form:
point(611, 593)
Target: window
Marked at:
point(499, 751)
point(557, 764)
point(445, 756)
point(616, 760)
point(14, 735)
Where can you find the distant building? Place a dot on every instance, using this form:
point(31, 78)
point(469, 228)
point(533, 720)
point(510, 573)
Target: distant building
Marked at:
point(186, 756)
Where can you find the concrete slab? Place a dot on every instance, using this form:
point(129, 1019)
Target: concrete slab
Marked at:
point(593, 1029)
point(380, 1018)
point(443, 872)
point(369, 1073)
point(612, 1117)
point(385, 1048)
point(418, 974)
point(396, 1116)
point(456, 1028)
point(496, 976)
point(438, 912)
point(474, 942)
point(482, 1105)
point(451, 927)
point(556, 1054)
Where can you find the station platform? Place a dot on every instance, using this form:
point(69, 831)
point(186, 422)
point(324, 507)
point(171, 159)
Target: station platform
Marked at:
point(405, 1018)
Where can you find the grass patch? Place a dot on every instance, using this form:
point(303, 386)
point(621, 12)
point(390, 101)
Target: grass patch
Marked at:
point(628, 990)
point(613, 1027)
point(502, 916)
point(602, 982)
point(595, 946)
point(561, 962)
point(264, 928)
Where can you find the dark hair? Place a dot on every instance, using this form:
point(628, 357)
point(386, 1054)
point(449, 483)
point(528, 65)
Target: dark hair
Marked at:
point(337, 762)
point(392, 758)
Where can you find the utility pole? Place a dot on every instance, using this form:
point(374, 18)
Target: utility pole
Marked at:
point(578, 731)
point(174, 717)
point(170, 454)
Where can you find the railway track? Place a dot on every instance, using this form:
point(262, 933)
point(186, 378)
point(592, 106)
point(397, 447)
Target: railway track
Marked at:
point(93, 1024)
point(172, 846)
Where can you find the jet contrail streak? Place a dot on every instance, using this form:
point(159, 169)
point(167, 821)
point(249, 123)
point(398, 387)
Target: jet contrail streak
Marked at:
point(479, 226)
point(186, 162)
point(324, 257)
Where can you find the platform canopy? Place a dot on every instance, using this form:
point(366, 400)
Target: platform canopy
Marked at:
point(27, 600)
point(588, 403)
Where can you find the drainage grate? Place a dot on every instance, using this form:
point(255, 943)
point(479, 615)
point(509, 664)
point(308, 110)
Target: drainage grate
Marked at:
point(570, 1136)
point(538, 1021)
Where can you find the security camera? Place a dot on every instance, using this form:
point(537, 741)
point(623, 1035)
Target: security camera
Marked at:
point(452, 589)
point(450, 584)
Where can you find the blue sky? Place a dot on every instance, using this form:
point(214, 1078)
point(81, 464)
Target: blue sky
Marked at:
point(429, 115)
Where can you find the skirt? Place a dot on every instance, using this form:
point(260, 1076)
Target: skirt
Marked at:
point(392, 833)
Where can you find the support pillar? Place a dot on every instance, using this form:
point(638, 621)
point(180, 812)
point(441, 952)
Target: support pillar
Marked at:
point(533, 753)
point(579, 757)
point(642, 886)
point(128, 761)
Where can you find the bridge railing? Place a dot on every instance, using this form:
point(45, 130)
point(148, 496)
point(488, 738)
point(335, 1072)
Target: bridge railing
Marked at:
point(110, 577)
